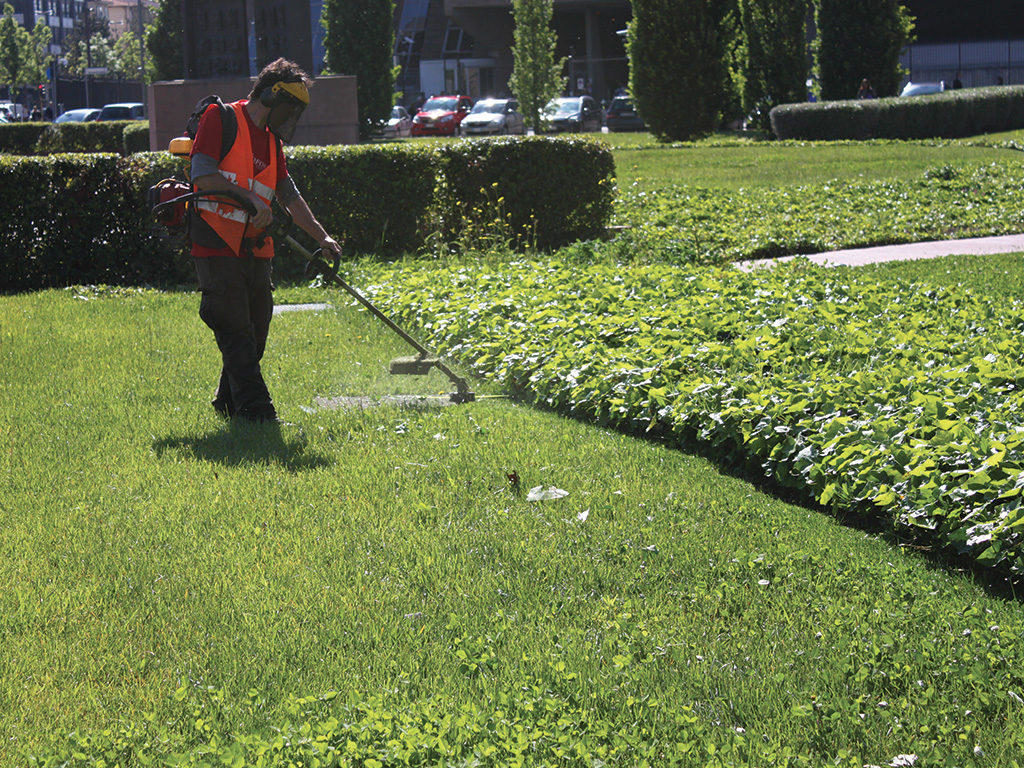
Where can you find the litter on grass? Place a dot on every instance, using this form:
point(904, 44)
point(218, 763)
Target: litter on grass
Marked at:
point(540, 493)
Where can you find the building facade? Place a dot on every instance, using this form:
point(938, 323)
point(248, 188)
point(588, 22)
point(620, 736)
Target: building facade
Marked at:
point(465, 46)
point(238, 37)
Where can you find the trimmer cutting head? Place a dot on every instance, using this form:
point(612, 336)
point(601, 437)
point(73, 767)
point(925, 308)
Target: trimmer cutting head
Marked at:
point(419, 365)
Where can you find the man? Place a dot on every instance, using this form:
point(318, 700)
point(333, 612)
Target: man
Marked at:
point(237, 149)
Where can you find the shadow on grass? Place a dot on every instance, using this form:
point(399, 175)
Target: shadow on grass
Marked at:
point(242, 443)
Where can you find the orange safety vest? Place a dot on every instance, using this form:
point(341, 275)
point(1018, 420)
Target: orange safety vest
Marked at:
point(229, 222)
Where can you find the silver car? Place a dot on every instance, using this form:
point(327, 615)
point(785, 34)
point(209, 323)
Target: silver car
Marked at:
point(491, 117)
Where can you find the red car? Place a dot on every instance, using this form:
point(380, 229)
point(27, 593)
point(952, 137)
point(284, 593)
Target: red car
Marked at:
point(441, 115)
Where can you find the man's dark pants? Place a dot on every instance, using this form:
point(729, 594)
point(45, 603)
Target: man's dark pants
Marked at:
point(237, 305)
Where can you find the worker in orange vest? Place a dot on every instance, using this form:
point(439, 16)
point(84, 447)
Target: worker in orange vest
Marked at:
point(237, 149)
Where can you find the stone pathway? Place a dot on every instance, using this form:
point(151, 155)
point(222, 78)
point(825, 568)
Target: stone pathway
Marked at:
point(856, 257)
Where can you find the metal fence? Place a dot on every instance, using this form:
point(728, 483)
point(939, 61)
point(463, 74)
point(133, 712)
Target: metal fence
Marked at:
point(977, 64)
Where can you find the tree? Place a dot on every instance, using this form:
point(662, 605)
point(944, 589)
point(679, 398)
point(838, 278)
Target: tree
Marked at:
point(127, 57)
point(165, 42)
point(775, 65)
point(16, 49)
point(35, 70)
point(98, 53)
point(860, 40)
point(359, 39)
point(536, 74)
point(678, 70)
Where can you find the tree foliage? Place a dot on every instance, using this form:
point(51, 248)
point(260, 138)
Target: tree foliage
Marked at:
point(359, 39)
point(536, 74)
point(16, 49)
point(775, 63)
point(165, 42)
point(860, 40)
point(678, 56)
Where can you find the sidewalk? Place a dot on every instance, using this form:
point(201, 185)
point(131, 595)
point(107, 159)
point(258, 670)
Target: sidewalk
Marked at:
point(856, 257)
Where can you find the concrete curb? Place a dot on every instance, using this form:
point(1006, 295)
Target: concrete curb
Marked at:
point(856, 257)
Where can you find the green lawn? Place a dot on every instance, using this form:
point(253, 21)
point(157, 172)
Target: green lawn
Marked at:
point(158, 561)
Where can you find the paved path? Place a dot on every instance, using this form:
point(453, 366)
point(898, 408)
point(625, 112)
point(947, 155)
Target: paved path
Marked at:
point(856, 257)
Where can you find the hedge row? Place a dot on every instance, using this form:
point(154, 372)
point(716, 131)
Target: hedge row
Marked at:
point(952, 114)
point(117, 136)
point(84, 219)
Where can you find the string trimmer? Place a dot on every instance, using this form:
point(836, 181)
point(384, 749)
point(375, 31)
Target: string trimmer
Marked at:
point(170, 199)
point(417, 365)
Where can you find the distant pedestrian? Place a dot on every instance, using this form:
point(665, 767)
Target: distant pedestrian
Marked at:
point(865, 91)
point(957, 85)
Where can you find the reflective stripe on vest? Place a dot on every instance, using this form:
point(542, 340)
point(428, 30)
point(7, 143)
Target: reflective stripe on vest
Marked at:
point(228, 221)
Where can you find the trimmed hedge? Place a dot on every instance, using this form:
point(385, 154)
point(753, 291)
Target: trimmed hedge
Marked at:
point(950, 115)
point(135, 137)
point(84, 218)
point(117, 136)
point(75, 219)
point(93, 136)
point(547, 192)
point(377, 196)
point(20, 138)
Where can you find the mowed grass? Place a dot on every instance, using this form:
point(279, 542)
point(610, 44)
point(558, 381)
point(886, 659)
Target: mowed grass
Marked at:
point(727, 162)
point(745, 165)
point(147, 548)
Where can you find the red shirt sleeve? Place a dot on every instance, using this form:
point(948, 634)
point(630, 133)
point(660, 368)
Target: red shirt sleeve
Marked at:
point(282, 166)
point(210, 133)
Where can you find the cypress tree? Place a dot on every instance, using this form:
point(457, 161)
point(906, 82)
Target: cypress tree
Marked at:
point(359, 39)
point(165, 41)
point(775, 65)
point(679, 74)
point(536, 74)
point(858, 40)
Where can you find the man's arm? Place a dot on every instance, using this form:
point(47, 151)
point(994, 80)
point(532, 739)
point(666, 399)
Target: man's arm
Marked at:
point(303, 216)
point(207, 178)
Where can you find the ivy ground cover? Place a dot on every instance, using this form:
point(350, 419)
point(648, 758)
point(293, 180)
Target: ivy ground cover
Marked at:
point(686, 224)
point(873, 396)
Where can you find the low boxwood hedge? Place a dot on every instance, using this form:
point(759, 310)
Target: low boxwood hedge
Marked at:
point(117, 136)
point(20, 138)
point(84, 218)
point(952, 114)
point(545, 193)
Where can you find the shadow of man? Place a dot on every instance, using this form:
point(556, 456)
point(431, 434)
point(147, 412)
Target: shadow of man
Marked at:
point(244, 443)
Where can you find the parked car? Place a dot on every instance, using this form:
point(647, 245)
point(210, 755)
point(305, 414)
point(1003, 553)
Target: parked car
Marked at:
point(574, 114)
point(441, 115)
point(82, 115)
point(13, 111)
point(922, 89)
point(399, 125)
point(131, 110)
point(493, 116)
point(622, 115)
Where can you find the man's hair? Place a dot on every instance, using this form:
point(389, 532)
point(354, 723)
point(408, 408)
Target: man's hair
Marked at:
point(277, 71)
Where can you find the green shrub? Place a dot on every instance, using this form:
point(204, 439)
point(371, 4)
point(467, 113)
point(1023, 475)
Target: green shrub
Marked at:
point(546, 192)
point(860, 40)
point(377, 197)
point(20, 138)
point(953, 114)
point(75, 219)
point(106, 136)
point(84, 218)
point(135, 137)
point(680, 96)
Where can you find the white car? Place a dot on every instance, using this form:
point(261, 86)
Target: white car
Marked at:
point(922, 89)
point(399, 125)
point(492, 117)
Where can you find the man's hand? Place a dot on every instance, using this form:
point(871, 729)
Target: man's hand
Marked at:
point(331, 245)
point(264, 216)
